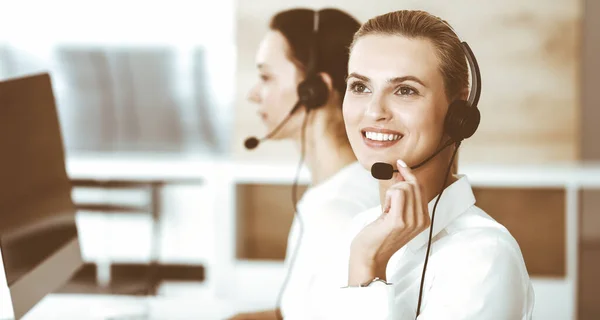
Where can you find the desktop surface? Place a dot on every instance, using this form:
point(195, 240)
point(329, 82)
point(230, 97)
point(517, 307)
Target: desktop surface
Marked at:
point(119, 307)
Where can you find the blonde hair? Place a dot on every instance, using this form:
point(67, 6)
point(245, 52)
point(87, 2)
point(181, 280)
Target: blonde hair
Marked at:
point(421, 24)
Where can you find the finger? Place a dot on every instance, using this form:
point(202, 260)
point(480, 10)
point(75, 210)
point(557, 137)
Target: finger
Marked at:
point(405, 172)
point(397, 177)
point(387, 199)
point(398, 187)
point(418, 203)
point(414, 212)
point(386, 202)
point(397, 207)
point(408, 214)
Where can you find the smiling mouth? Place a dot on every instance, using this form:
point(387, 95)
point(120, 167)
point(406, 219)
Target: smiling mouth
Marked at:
point(379, 138)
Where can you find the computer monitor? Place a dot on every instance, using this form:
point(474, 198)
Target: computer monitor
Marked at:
point(38, 232)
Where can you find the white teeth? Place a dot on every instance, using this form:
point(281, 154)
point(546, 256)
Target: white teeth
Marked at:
point(378, 136)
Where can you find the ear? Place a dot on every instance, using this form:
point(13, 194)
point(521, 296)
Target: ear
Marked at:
point(464, 94)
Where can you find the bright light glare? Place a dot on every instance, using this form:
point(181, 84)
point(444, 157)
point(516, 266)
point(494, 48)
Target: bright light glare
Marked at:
point(131, 22)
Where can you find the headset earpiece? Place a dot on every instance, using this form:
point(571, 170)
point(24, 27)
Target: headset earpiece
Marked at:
point(461, 120)
point(313, 91)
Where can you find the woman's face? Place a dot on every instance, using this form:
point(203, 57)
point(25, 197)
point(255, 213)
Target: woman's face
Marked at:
point(395, 103)
point(275, 91)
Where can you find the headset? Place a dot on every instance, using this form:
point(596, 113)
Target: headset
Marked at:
point(461, 122)
point(463, 117)
point(313, 93)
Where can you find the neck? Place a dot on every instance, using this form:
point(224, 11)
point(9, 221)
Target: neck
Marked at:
point(431, 176)
point(324, 155)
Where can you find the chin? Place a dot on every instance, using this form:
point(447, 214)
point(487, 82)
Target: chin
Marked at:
point(367, 163)
point(368, 157)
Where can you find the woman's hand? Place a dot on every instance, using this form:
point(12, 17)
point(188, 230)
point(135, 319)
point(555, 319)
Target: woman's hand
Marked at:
point(405, 215)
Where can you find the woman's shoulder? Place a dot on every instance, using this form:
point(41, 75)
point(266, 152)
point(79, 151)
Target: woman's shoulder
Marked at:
point(476, 222)
point(477, 232)
point(357, 186)
point(350, 192)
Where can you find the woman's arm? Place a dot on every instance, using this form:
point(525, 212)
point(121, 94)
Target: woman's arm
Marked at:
point(404, 216)
point(480, 275)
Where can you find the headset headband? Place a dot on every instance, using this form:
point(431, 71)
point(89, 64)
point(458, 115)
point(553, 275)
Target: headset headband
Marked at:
point(475, 91)
point(312, 62)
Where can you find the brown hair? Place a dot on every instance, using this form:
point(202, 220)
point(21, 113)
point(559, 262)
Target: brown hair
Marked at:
point(421, 24)
point(336, 30)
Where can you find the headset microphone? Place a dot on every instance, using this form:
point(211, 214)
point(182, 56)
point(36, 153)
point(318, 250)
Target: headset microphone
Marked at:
point(253, 142)
point(385, 171)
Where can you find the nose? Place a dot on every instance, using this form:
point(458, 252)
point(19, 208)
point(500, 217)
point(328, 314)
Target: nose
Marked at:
point(377, 109)
point(253, 95)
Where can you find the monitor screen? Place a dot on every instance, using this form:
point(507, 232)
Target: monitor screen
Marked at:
point(38, 232)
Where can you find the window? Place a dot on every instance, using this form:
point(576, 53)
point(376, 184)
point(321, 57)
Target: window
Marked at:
point(129, 76)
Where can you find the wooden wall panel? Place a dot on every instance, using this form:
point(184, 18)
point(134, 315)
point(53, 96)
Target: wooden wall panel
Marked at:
point(591, 78)
point(264, 218)
point(536, 218)
point(528, 52)
point(590, 216)
point(589, 281)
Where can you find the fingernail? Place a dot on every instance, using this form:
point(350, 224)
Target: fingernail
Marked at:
point(401, 163)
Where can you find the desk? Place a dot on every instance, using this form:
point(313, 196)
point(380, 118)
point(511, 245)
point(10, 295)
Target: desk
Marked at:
point(103, 307)
point(135, 172)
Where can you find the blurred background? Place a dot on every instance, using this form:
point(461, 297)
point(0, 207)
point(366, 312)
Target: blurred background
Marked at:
point(150, 93)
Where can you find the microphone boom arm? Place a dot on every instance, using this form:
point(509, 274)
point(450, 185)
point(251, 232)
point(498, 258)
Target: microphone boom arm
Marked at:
point(385, 171)
point(279, 126)
point(448, 143)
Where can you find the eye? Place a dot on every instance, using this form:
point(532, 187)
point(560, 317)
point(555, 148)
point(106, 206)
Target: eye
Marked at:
point(264, 77)
point(406, 91)
point(358, 87)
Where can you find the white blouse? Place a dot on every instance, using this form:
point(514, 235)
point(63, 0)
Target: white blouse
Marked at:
point(475, 271)
point(326, 211)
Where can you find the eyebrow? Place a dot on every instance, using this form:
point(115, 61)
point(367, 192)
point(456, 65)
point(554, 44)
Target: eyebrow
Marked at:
point(262, 66)
point(391, 80)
